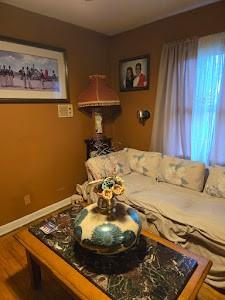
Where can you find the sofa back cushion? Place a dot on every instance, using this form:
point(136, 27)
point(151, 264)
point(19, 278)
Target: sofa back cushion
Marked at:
point(114, 163)
point(144, 162)
point(215, 184)
point(182, 172)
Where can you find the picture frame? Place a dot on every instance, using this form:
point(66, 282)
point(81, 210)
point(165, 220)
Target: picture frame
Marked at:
point(32, 73)
point(134, 73)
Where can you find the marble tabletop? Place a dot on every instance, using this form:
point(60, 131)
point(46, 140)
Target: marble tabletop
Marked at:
point(149, 270)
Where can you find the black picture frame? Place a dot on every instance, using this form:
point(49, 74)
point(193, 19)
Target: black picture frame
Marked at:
point(32, 85)
point(137, 83)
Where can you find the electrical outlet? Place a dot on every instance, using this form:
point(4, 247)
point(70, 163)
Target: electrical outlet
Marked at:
point(27, 199)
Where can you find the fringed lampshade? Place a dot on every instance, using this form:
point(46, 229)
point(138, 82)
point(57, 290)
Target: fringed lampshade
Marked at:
point(98, 95)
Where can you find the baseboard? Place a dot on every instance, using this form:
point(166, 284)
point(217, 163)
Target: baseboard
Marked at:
point(35, 215)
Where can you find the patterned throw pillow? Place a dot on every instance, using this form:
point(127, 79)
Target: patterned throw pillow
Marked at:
point(100, 166)
point(144, 162)
point(114, 163)
point(182, 172)
point(215, 184)
point(119, 160)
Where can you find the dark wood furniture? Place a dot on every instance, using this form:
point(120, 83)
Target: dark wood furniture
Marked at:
point(40, 256)
point(98, 146)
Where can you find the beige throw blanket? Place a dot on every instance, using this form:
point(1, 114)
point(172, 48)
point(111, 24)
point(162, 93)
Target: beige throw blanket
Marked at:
point(194, 220)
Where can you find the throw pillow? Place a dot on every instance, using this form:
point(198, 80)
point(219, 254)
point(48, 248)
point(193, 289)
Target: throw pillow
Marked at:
point(144, 162)
point(182, 172)
point(119, 161)
point(215, 184)
point(100, 166)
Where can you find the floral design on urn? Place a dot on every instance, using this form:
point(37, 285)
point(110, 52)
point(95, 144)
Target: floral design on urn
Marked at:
point(129, 238)
point(78, 232)
point(108, 226)
point(80, 217)
point(107, 234)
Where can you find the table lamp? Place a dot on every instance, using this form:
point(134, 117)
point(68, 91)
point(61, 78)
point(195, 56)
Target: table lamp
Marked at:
point(97, 96)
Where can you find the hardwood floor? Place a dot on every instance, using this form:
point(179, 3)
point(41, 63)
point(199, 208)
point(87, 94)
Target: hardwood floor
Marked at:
point(15, 281)
point(14, 276)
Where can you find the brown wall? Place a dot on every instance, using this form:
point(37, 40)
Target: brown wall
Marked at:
point(41, 154)
point(149, 40)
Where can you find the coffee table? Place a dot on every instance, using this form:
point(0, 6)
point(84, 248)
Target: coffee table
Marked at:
point(41, 256)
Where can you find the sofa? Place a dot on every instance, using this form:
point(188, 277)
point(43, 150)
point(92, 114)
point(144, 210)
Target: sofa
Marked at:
point(175, 199)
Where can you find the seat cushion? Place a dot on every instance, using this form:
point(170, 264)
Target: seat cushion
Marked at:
point(177, 203)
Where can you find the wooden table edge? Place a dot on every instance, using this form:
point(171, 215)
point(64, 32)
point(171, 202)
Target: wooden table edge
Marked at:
point(193, 285)
point(75, 282)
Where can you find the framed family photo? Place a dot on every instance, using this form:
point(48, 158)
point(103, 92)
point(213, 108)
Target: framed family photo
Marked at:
point(32, 73)
point(134, 73)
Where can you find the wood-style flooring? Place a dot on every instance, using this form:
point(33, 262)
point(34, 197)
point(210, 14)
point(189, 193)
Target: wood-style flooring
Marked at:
point(14, 276)
point(15, 281)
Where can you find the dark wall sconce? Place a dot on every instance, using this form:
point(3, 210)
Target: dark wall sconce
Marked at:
point(143, 115)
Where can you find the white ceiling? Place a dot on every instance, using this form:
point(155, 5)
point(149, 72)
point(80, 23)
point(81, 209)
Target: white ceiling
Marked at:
point(109, 16)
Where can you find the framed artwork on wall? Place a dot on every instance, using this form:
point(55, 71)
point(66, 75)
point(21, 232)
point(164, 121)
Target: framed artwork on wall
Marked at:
point(32, 73)
point(134, 73)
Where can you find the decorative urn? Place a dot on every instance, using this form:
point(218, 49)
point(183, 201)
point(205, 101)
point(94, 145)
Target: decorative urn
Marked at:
point(108, 226)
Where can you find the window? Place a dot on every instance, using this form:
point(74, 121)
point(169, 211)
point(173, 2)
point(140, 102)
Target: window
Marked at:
point(189, 117)
point(208, 96)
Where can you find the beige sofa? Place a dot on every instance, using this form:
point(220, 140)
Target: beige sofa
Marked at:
point(173, 200)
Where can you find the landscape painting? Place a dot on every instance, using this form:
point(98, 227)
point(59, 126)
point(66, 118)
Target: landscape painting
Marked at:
point(22, 71)
point(31, 74)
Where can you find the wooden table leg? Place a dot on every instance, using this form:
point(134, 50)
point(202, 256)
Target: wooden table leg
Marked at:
point(35, 271)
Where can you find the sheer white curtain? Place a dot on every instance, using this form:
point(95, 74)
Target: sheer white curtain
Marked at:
point(189, 116)
point(217, 154)
point(173, 111)
point(208, 118)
